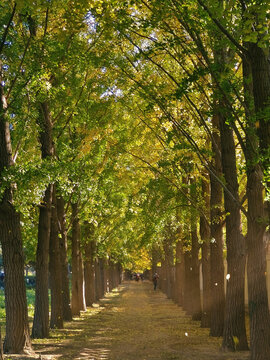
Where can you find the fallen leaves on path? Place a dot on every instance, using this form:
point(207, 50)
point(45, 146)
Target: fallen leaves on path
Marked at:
point(133, 322)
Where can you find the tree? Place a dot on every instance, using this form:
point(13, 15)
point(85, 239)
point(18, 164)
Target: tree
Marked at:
point(17, 330)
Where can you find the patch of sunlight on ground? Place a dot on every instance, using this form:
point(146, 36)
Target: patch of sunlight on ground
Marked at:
point(90, 354)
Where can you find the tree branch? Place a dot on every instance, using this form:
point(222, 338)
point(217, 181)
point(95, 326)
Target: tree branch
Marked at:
point(19, 67)
point(242, 50)
point(7, 28)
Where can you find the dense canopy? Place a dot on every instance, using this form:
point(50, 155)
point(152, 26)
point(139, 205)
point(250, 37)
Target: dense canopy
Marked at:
point(134, 135)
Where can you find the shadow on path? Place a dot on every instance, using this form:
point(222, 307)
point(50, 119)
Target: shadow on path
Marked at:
point(134, 323)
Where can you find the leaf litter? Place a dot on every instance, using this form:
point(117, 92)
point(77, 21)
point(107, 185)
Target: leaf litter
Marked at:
point(134, 322)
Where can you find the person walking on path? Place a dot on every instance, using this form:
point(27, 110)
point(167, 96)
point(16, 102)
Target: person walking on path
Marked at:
point(155, 280)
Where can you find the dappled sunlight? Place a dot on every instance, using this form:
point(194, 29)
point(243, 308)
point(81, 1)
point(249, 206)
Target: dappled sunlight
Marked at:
point(117, 309)
point(134, 323)
point(96, 354)
point(89, 336)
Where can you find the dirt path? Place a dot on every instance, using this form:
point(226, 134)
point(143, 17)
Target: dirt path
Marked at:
point(134, 323)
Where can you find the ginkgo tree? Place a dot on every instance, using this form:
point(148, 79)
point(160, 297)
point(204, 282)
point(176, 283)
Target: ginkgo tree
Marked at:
point(141, 25)
point(126, 112)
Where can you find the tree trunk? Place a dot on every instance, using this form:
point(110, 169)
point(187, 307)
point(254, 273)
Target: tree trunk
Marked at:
point(155, 256)
point(1, 346)
point(162, 278)
point(187, 303)
point(256, 265)
point(216, 243)
point(89, 268)
point(110, 275)
point(234, 324)
point(179, 271)
point(195, 265)
point(205, 237)
point(81, 283)
point(120, 273)
point(195, 273)
point(256, 269)
point(17, 338)
point(67, 316)
point(41, 317)
point(75, 304)
point(168, 262)
point(260, 68)
point(106, 276)
point(101, 284)
point(40, 327)
point(55, 268)
point(98, 280)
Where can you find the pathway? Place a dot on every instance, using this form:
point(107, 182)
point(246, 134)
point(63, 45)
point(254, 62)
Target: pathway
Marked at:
point(135, 323)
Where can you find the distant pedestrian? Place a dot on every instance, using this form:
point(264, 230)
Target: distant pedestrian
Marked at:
point(155, 280)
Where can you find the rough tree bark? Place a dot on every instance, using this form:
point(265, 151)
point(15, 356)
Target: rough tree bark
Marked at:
point(98, 280)
point(106, 276)
point(155, 257)
point(187, 303)
point(216, 242)
point(17, 338)
point(75, 305)
point(163, 274)
point(89, 268)
point(110, 275)
point(101, 284)
point(55, 268)
point(81, 283)
point(195, 265)
point(67, 316)
point(1, 346)
point(168, 261)
point(40, 327)
point(256, 265)
point(234, 324)
point(205, 237)
point(179, 270)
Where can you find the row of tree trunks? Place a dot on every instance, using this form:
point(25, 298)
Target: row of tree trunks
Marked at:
point(92, 277)
point(234, 315)
point(52, 222)
point(181, 281)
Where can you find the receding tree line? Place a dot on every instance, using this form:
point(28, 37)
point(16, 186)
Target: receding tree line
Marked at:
point(173, 98)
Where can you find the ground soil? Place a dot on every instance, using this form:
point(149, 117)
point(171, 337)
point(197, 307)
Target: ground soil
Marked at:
point(133, 322)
